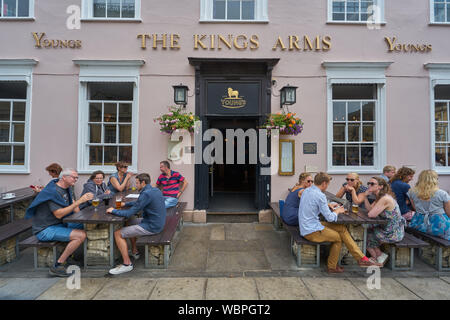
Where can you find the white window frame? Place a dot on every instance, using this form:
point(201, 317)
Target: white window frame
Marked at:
point(261, 15)
point(433, 17)
point(378, 19)
point(358, 73)
point(20, 70)
point(87, 13)
point(30, 12)
point(439, 75)
point(105, 71)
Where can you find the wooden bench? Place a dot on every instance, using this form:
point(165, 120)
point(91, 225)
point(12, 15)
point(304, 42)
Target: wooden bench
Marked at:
point(439, 243)
point(13, 229)
point(409, 242)
point(174, 222)
point(33, 242)
point(297, 239)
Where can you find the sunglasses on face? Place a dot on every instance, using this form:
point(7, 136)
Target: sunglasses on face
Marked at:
point(371, 184)
point(348, 179)
point(309, 181)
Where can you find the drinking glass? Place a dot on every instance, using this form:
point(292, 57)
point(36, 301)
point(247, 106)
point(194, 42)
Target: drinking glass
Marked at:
point(355, 208)
point(95, 203)
point(118, 202)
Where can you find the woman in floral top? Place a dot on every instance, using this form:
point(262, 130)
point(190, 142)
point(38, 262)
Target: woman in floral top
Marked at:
point(386, 207)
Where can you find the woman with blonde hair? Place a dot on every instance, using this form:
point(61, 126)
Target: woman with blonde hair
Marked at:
point(289, 214)
point(432, 206)
point(353, 189)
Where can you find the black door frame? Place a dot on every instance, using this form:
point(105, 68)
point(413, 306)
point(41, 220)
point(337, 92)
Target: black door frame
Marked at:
point(228, 69)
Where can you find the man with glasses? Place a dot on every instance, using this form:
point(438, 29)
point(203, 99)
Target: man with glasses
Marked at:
point(48, 209)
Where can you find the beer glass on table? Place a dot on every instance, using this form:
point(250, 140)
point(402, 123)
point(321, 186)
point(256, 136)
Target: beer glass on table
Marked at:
point(95, 203)
point(118, 202)
point(355, 208)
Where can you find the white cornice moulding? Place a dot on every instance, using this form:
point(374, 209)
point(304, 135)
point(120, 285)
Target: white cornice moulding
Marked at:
point(349, 64)
point(110, 63)
point(18, 62)
point(437, 65)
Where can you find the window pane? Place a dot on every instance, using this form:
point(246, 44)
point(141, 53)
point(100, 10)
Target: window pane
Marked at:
point(353, 155)
point(368, 111)
point(354, 111)
point(13, 90)
point(440, 111)
point(128, 9)
point(95, 133)
point(110, 156)
point(4, 132)
point(353, 92)
point(442, 132)
point(9, 8)
point(339, 132)
point(367, 155)
point(368, 132)
point(353, 132)
point(126, 154)
point(19, 155)
point(439, 12)
point(339, 155)
point(365, 5)
point(5, 155)
point(125, 112)
point(233, 9)
point(95, 112)
point(338, 111)
point(19, 111)
point(113, 9)
point(95, 156)
point(353, 11)
point(442, 92)
point(448, 11)
point(19, 132)
point(440, 156)
point(219, 9)
point(338, 6)
point(5, 109)
point(110, 112)
point(110, 134)
point(110, 91)
point(125, 134)
point(24, 8)
point(339, 16)
point(248, 10)
point(99, 8)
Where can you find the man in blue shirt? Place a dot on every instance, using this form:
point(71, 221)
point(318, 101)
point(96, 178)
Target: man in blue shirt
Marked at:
point(151, 202)
point(313, 203)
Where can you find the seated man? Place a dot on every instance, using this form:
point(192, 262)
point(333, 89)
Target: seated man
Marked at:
point(313, 203)
point(48, 209)
point(169, 182)
point(151, 202)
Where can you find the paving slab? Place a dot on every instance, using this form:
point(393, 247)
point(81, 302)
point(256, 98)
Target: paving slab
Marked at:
point(390, 289)
point(328, 288)
point(196, 233)
point(237, 261)
point(3, 282)
point(446, 279)
point(264, 227)
point(235, 245)
point(89, 287)
point(179, 289)
point(218, 233)
point(272, 288)
point(427, 288)
point(280, 259)
point(240, 231)
point(25, 288)
point(126, 289)
point(231, 289)
point(271, 240)
point(189, 255)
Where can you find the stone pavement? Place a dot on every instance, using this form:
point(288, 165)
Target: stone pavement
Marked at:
point(228, 261)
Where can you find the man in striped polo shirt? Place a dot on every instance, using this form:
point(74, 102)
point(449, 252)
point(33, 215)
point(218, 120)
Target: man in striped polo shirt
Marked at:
point(169, 183)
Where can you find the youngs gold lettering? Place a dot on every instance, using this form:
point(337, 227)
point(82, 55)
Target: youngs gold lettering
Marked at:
point(41, 41)
point(394, 46)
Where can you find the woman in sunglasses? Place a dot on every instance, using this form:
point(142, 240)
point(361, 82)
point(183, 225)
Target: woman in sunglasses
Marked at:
point(386, 207)
point(289, 214)
point(353, 189)
point(120, 181)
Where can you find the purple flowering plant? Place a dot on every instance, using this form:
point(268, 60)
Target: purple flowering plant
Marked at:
point(288, 124)
point(176, 119)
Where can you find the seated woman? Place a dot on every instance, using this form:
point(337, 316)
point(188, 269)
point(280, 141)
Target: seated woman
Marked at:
point(289, 213)
point(53, 170)
point(120, 181)
point(353, 189)
point(432, 206)
point(96, 186)
point(386, 207)
point(400, 187)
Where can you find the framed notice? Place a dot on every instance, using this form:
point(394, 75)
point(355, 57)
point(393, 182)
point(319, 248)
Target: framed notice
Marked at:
point(287, 157)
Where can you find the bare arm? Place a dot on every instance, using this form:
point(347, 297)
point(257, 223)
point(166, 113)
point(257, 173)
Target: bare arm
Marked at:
point(341, 192)
point(379, 207)
point(61, 213)
point(120, 187)
point(447, 208)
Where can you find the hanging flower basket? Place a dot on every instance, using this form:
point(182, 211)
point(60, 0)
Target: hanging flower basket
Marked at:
point(288, 124)
point(176, 119)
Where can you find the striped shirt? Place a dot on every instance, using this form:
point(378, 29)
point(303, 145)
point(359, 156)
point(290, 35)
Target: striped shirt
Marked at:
point(171, 186)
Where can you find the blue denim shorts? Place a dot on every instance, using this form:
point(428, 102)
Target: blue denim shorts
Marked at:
point(59, 232)
point(170, 202)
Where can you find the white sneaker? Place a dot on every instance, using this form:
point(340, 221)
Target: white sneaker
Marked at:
point(382, 258)
point(121, 269)
point(134, 255)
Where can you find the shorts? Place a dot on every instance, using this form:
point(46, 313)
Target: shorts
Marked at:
point(59, 232)
point(170, 202)
point(134, 229)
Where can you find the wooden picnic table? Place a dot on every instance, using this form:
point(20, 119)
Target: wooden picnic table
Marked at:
point(21, 195)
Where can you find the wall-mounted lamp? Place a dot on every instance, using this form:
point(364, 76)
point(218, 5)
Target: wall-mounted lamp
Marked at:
point(288, 95)
point(180, 95)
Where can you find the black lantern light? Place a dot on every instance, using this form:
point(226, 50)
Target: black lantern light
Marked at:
point(180, 94)
point(288, 95)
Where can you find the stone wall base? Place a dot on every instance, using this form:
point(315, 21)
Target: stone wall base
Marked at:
point(265, 216)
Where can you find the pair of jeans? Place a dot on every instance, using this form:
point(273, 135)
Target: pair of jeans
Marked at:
point(170, 202)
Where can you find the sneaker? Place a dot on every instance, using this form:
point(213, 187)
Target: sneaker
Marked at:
point(134, 255)
point(382, 258)
point(369, 263)
point(121, 269)
point(59, 271)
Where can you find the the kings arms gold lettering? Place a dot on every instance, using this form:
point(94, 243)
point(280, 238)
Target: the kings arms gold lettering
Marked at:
point(393, 46)
point(42, 42)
